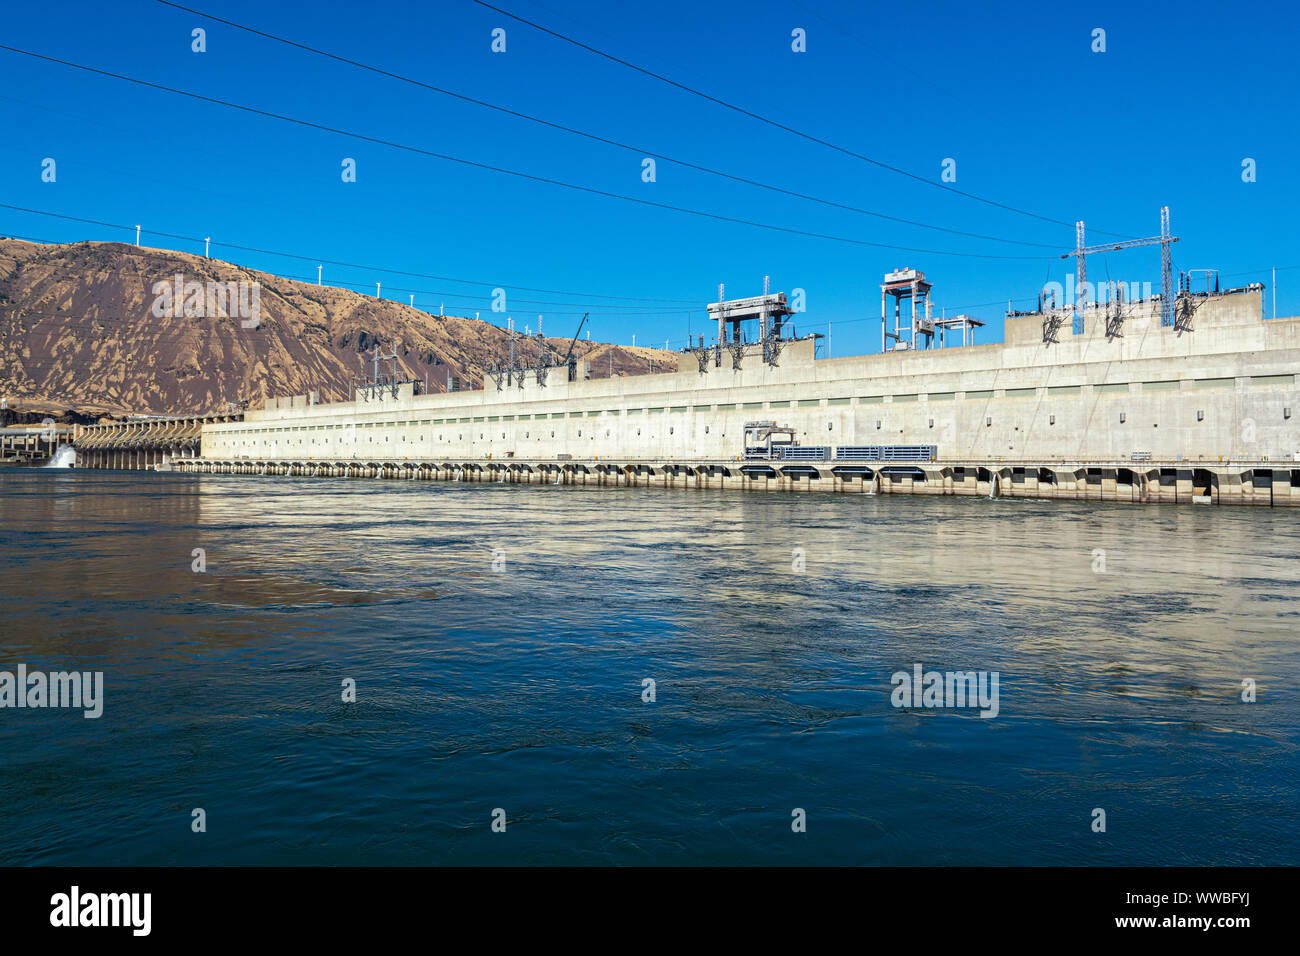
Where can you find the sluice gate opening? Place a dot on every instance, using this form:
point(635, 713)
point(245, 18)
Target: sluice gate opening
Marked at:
point(1229, 484)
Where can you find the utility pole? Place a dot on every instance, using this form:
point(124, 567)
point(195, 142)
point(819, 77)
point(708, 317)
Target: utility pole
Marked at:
point(207, 241)
point(137, 234)
point(318, 269)
point(413, 300)
point(392, 360)
point(378, 285)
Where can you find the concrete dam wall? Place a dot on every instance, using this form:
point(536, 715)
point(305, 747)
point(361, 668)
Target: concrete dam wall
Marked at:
point(1143, 412)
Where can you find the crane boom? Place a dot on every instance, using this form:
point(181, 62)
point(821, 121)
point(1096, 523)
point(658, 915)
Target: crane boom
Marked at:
point(574, 341)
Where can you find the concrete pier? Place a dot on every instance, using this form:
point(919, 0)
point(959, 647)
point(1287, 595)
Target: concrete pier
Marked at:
point(1263, 484)
point(25, 444)
point(143, 445)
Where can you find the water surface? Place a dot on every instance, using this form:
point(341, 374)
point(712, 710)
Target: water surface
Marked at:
point(521, 689)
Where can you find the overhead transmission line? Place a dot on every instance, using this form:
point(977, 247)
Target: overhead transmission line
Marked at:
point(335, 262)
point(665, 311)
point(266, 330)
point(596, 137)
point(775, 124)
point(510, 172)
point(444, 295)
point(631, 311)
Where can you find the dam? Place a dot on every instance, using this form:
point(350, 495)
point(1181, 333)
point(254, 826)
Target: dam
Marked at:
point(1108, 401)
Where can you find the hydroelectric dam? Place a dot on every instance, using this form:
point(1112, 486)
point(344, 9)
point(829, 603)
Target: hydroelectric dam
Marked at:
point(1187, 401)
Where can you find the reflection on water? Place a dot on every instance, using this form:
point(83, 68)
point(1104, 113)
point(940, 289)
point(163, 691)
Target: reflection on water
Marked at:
point(499, 636)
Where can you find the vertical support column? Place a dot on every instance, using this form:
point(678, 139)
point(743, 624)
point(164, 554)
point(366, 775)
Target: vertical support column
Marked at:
point(1166, 271)
point(722, 329)
point(884, 319)
point(913, 297)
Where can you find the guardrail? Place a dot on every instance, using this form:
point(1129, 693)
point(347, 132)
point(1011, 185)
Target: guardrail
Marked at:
point(804, 453)
point(789, 453)
point(886, 452)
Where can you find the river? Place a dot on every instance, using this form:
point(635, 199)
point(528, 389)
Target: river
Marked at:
point(500, 639)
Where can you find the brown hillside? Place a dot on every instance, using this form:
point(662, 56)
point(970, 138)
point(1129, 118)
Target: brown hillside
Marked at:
point(77, 331)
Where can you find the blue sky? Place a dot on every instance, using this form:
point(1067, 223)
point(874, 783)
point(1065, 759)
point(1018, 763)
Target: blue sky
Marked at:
point(1033, 118)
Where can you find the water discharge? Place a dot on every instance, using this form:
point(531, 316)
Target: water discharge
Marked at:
point(65, 456)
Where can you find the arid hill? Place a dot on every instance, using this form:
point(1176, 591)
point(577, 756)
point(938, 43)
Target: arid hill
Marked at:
point(78, 330)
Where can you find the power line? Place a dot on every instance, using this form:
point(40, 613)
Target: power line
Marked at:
point(579, 308)
point(335, 262)
point(1249, 272)
point(509, 172)
point(773, 123)
point(955, 308)
point(202, 334)
point(597, 138)
point(309, 280)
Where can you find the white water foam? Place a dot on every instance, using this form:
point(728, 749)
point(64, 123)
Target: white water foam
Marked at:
point(65, 456)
